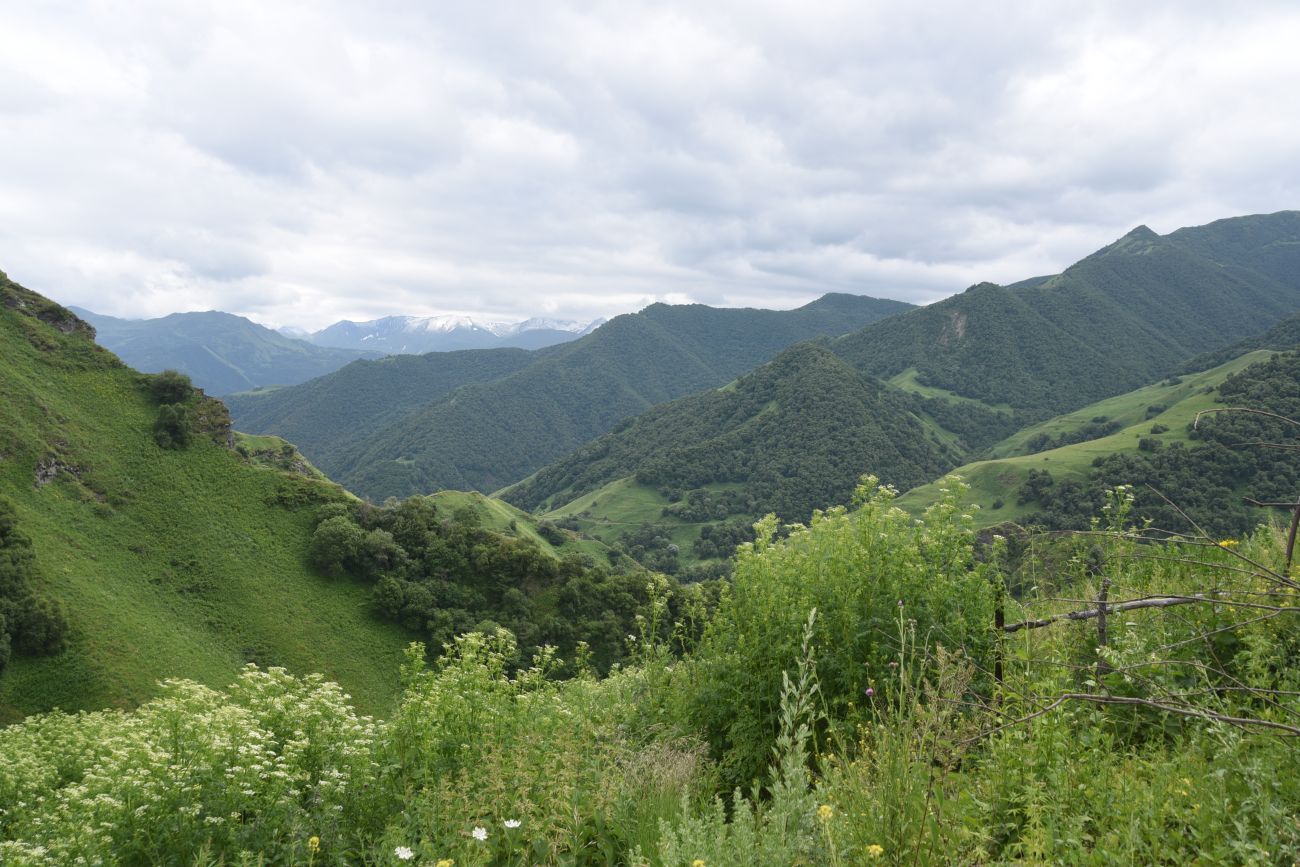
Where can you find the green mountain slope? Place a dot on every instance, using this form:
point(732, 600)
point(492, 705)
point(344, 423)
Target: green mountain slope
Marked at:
point(501, 517)
point(486, 435)
point(1155, 444)
point(977, 366)
point(221, 352)
point(1283, 335)
point(168, 563)
point(335, 415)
point(1263, 243)
point(1118, 318)
point(795, 434)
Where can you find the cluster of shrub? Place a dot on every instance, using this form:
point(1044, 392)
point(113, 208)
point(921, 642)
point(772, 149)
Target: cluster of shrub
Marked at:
point(700, 504)
point(652, 546)
point(184, 411)
point(444, 575)
point(1097, 427)
point(721, 540)
point(29, 624)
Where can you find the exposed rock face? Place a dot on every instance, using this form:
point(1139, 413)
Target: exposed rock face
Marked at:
point(48, 469)
point(25, 301)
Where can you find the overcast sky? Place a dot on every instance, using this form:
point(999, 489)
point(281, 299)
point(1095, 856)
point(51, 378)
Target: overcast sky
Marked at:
point(300, 163)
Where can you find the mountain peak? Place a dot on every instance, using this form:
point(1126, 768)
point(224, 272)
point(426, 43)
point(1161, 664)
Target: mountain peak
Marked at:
point(1141, 233)
point(1138, 240)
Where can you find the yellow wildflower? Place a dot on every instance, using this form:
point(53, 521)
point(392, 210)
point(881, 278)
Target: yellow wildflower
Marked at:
point(875, 850)
point(698, 862)
point(446, 862)
point(313, 843)
point(824, 812)
point(1227, 543)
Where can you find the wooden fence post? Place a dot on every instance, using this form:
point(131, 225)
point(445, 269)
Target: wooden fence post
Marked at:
point(999, 622)
point(1102, 635)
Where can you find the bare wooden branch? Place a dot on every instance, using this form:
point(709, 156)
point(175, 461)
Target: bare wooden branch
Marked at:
point(1154, 602)
point(1290, 540)
point(1246, 409)
point(1252, 501)
point(1199, 712)
point(1189, 711)
point(1285, 447)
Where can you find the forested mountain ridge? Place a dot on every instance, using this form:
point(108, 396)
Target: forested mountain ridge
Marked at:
point(222, 353)
point(1125, 315)
point(489, 434)
point(979, 365)
point(333, 415)
point(782, 432)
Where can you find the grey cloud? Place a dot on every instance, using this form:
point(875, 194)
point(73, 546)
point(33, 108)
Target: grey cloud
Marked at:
point(307, 163)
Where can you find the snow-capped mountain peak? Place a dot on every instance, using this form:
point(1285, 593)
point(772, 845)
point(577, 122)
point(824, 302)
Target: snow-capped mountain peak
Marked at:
point(450, 331)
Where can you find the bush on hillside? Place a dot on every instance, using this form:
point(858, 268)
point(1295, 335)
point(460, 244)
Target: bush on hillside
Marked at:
point(171, 386)
point(29, 624)
point(336, 545)
point(171, 430)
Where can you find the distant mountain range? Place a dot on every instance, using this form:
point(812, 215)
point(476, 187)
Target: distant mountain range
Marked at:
point(440, 423)
point(415, 335)
point(222, 353)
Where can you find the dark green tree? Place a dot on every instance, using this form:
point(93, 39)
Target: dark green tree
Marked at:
point(171, 386)
point(172, 428)
point(336, 546)
point(29, 624)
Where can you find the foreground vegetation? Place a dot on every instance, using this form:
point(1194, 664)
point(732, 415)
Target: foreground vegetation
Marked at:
point(841, 706)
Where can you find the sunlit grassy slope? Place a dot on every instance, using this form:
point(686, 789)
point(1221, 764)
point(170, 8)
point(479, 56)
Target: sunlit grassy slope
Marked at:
point(504, 518)
point(168, 563)
point(997, 478)
point(624, 505)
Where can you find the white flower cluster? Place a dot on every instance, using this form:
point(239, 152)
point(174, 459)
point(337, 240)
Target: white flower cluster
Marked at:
point(242, 768)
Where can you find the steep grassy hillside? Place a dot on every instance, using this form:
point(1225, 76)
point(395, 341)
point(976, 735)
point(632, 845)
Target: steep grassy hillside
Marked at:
point(333, 416)
point(484, 436)
point(1158, 415)
point(168, 563)
point(221, 352)
point(1123, 316)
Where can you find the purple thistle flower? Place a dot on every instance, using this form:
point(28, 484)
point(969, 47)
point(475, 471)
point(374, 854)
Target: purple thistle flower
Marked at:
point(870, 692)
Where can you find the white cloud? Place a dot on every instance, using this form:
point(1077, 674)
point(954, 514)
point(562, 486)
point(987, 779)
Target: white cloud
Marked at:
point(304, 162)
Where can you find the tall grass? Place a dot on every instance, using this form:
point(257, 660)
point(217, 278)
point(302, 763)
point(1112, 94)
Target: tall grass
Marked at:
point(881, 741)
